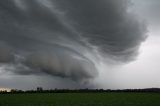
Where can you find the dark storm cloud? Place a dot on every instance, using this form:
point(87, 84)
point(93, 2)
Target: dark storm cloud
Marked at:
point(63, 37)
point(63, 65)
point(5, 53)
point(106, 24)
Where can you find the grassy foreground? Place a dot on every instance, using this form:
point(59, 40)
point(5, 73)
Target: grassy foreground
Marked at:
point(81, 99)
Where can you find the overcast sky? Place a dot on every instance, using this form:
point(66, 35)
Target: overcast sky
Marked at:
point(78, 44)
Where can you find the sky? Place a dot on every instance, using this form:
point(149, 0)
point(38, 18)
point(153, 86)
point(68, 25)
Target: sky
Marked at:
point(110, 44)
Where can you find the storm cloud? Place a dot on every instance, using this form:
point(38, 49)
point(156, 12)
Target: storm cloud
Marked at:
point(66, 38)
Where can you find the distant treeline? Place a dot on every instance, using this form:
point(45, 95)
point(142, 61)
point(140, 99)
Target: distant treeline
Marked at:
point(40, 90)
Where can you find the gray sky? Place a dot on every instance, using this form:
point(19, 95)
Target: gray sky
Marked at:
point(79, 44)
point(145, 70)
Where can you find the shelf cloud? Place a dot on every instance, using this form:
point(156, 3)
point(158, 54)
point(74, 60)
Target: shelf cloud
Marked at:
point(66, 38)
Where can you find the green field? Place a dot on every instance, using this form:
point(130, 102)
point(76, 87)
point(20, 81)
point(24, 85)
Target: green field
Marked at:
point(81, 99)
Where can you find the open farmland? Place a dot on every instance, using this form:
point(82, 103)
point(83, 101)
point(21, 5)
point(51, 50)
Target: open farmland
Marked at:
point(80, 99)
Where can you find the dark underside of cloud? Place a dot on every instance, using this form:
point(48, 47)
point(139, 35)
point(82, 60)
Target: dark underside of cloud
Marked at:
point(63, 37)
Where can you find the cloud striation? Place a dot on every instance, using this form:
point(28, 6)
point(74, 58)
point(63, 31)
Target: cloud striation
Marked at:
point(66, 38)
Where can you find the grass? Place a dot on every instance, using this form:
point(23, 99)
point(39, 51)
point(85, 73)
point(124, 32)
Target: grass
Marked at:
point(81, 99)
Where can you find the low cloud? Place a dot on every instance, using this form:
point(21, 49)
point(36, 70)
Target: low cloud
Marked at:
point(65, 38)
